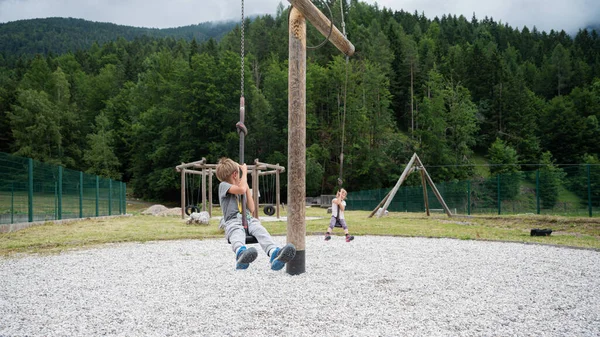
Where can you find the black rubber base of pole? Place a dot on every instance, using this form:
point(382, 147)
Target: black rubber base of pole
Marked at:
point(297, 266)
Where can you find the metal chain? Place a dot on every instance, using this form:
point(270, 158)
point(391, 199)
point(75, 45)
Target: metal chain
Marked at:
point(242, 51)
point(340, 181)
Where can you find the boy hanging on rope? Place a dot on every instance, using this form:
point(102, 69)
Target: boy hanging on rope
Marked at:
point(338, 205)
point(233, 185)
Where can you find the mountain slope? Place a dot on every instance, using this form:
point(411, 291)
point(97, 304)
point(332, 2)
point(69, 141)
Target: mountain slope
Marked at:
point(60, 35)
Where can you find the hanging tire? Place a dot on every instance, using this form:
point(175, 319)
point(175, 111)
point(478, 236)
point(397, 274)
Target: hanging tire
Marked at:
point(191, 209)
point(269, 210)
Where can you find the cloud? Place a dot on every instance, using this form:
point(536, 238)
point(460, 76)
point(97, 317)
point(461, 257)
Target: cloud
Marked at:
point(544, 14)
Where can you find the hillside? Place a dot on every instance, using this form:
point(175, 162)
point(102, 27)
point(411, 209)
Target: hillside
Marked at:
point(60, 35)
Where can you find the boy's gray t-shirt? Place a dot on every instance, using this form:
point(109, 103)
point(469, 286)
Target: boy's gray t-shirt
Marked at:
point(228, 201)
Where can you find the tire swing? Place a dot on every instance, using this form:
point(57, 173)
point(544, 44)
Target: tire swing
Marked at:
point(269, 210)
point(191, 207)
point(268, 190)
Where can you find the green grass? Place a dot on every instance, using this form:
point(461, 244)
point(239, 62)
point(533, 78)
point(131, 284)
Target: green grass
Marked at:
point(56, 238)
point(480, 171)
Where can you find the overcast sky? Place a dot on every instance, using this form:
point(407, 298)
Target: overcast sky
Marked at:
point(544, 14)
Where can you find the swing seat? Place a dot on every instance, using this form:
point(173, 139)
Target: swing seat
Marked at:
point(337, 223)
point(192, 209)
point(249, 240)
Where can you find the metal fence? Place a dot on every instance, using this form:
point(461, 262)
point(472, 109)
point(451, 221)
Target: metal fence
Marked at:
point(32, 191)
point(569, 191)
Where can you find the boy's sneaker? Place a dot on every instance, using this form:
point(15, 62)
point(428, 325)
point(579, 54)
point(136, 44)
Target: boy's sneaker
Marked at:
point(327, 237)
point(349, 238)
point(245, 256)
point(281, 256)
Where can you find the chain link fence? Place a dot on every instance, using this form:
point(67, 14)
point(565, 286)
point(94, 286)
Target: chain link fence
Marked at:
point(568, 191)
point(32, 191)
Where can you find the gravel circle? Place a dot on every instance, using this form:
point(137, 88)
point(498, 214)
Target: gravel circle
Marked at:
point(373, 286)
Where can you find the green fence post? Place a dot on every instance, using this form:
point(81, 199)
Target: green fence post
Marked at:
point(124, 198)
point(12, 202)
point(109, 196)
point(55, 201)
point(499, 202)
point(97, 194)
point(60, 182)
point(80, 194)
point(589, 191)
point(30, 189)
point(468, 197)
point(537, 190)
point(120, 201)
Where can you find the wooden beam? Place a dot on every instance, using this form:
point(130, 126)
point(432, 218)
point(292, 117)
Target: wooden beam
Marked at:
point(278, 199)
point(192, 164)
point(406, 172)
point(255, 191)
point(380, 203)
point(323, 25)
point(296, 225)
point(426, 199)
point(183, 193)
point(210, 188)
point(204, 191)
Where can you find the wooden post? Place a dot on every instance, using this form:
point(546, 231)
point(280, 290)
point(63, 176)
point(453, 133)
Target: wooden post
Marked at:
point(296, 226)
point(203, 190)
point(424, 183)
point(210, 188)
point(407, 170)
point(277, 198)
point(255, 189)
point(183, 193)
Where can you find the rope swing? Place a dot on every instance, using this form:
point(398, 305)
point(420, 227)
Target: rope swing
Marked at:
point(340, 178)
point(242, 130)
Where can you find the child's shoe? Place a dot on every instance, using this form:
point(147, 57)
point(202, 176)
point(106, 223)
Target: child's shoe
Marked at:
point(281, 256)
point(349, 237)
point(245, 256)
point(327, 237)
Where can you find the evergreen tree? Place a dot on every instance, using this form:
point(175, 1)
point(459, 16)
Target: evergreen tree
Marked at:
point(551, 178)
point(100, 156)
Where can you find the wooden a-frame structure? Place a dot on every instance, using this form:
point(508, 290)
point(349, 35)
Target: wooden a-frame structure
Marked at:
point(414, 164)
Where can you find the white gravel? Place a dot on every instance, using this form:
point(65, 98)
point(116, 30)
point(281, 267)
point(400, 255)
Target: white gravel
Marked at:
point(374, 286)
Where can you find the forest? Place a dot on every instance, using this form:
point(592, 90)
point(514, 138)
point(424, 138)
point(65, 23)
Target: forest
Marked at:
point(455, 90)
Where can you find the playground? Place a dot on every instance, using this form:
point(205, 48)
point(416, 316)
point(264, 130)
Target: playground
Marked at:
point(374, 286)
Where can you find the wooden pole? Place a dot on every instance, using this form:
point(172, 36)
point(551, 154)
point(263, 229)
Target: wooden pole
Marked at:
point(210, 188)
point(203, 190)
point(296, 226)
point(183, 193)
point(323, 25)
point(424, 183)
point(380, 203)
point(407, 170)
point(278, 198)
point(255, 191)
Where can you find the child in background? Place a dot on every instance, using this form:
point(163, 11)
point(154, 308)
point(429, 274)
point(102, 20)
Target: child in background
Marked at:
point(233, 185)
point(338, 205)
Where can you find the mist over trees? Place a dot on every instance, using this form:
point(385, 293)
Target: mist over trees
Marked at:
point(449, 89)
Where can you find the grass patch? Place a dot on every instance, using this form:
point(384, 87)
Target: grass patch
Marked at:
point(56, 238)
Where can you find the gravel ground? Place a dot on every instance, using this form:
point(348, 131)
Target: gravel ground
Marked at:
point(374, 286)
